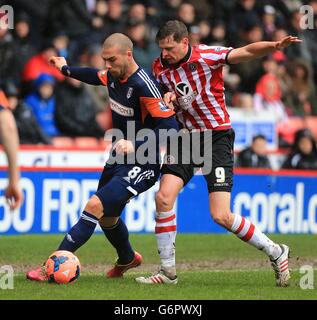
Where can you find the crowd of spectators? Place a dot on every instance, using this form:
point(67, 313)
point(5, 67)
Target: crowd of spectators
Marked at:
point(302, 154)
point(47, 105)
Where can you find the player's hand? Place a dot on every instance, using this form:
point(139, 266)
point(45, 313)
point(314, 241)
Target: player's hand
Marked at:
point(169, 97)
point(58, 62)
point(123, 146)
point(287, 41)
point(14, 196)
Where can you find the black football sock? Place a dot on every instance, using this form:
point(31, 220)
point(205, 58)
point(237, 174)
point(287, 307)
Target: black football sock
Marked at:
point(118, 236)
point(80, 233)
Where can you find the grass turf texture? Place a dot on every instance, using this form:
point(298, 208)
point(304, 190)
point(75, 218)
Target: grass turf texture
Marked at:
point(209, 267)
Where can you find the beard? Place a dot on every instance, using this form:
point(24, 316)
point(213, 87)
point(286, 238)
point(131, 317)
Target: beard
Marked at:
point(120, 74)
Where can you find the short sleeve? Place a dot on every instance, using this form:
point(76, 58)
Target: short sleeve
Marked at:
point(3, 100)
point(156, 107)
point(103, 76)
point(215, 55)
point(151, 97)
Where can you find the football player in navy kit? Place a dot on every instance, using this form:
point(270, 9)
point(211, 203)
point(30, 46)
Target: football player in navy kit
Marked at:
point(136, 98)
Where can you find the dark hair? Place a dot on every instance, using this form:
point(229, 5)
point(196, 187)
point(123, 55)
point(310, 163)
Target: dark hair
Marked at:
point(303, 133)
point(10, 89)
point(299, 63)
point(259, 136)
point(174, 28)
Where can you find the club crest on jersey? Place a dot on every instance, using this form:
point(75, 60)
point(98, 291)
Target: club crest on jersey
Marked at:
point(129, 93)
point(192, 67)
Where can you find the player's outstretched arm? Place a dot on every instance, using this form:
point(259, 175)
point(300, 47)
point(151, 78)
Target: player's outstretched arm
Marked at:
point(87, 75)
point(259, 49)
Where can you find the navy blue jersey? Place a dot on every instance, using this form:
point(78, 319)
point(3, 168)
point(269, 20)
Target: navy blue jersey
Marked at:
point(139, 98)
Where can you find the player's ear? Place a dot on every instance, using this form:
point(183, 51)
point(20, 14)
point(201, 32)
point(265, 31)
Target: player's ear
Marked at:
point(185, 41)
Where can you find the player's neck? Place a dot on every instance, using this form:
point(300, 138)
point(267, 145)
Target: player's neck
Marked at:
point(186, 55)
point(133, 67)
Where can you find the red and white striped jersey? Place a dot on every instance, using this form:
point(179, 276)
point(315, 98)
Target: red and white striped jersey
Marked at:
point(199, 87)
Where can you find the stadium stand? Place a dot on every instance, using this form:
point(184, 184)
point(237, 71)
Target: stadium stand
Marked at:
point(61, 30)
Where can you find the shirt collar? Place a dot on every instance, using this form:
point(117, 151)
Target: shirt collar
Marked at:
point(176, 65)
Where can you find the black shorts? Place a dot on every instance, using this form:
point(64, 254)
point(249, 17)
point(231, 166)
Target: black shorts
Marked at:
point(218, 152)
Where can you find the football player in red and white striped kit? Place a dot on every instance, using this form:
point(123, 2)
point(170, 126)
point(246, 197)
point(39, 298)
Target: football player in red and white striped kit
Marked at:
point(192, 77)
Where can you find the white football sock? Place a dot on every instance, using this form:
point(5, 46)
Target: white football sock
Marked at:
point(249, 233)
point(165, 231)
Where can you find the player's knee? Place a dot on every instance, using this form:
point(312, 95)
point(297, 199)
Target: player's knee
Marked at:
point(163, 201)
point(108, 222)
point(94, 207)
point(221, 218)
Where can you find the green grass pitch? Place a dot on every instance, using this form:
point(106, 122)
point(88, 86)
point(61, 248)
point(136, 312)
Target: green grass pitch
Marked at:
point(210, 267)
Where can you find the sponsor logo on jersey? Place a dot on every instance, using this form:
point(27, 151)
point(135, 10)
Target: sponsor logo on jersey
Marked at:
point(187, 95)
point(183, 88)
point(120, 109)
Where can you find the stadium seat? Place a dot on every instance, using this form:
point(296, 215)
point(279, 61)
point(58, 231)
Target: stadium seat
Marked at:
point(63, 142)
point(288, 128)
point(86, 142)
point(311, 124)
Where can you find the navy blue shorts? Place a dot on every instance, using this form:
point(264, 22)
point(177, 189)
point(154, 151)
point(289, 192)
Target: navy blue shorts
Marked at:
point(120, 182)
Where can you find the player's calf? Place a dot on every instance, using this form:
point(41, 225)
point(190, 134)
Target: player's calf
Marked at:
point(118, 236)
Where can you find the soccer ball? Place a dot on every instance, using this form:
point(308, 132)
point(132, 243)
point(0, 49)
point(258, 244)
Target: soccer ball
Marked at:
point(62, 267)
